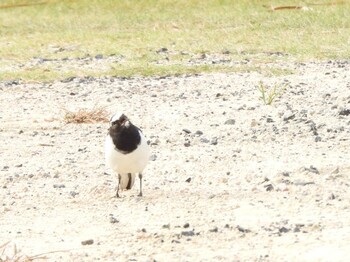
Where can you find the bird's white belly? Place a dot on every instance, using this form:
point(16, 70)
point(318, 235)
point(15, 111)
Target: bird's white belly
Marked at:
point(133, 162)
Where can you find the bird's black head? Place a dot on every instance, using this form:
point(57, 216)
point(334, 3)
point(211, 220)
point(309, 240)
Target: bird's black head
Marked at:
point(126, 137)
point(119, 121)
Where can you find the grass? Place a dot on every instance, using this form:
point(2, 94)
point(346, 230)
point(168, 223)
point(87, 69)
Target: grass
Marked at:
point(269, 93)
point(247, 29)
point(86, 116)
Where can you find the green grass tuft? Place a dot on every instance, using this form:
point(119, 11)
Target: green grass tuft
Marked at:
point(268, 94)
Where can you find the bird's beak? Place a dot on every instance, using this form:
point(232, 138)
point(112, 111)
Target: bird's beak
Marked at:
point(123, 120)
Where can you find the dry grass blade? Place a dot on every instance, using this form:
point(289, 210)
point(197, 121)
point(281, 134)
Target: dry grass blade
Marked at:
point(23, 4)
point(17, 256)
point(86, 116)
point(14, 255)
point(297, 7)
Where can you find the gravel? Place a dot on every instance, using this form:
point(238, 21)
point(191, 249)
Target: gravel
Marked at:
point(279, 171)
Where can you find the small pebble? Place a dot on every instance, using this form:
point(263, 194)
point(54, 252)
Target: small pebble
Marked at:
point(288, 115)
point(283, 230)
point(162, 50)
point(198, 133)
point(269, 187)
point(230, 122)
point(318, 139)
point(204, 140)
point(331, 197)
point(214, 230)
point(186, 225)
point(188, 233)
point(312, 169)
point(73, 193)
point(243, 230)
point(59, 186)
point(187, 131)
point(344, 112)
point(214, 141)
point(153, 157)
point(87, 242)
point(113, 220)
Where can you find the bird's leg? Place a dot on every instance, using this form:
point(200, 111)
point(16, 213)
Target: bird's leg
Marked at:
point(140, 177)
point(119, 178)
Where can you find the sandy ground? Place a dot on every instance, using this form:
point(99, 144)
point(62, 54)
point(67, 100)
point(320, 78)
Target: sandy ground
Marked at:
point(230, 179)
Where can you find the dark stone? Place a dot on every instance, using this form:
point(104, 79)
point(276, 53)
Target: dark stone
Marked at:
point(269, 187)
point(344, 112)
point(214, 141)
point(204, 140)
point(198, 133)
point(243, 230)
point(113, 220)
point(331, 197)
point(73, 193)
point(230, 122)
point(162, 50)
point(87, 242)
point(214, 230)
point(283, 230)
point(288, 115)
point(187, 131)
point(188, 233)
point(59, 186)
point(187, 144)
point(312, 169)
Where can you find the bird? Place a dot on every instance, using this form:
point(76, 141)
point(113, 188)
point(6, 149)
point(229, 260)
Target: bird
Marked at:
point(126, 151)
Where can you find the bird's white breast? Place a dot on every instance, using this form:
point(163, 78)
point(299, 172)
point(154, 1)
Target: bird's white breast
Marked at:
point(133, 162)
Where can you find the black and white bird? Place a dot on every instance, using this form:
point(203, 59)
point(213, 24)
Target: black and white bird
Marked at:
point(126, 151)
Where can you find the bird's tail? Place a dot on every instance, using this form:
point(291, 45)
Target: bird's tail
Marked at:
point(127, 181)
